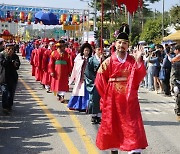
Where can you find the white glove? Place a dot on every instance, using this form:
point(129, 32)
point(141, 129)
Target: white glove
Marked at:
point(176, 90)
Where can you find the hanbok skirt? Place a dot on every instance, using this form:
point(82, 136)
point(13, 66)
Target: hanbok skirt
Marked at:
point(79, 103)
point(94, 105)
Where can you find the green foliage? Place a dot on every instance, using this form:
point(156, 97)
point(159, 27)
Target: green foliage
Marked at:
point(152, 31)
point(114, 16)
point(175, 14)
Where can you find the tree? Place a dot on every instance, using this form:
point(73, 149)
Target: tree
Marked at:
point(115, 15)
point(152, 31)
point(175, 15)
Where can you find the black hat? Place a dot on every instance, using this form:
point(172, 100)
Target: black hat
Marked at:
point(122, 36)
point(124, 28)
point(60, 43)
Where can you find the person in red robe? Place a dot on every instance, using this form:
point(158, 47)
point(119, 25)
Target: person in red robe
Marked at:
point(117, 82)
point(39, 57)
point(22, 50)
point(33, 57)
point(46, 79)
point(60, 69)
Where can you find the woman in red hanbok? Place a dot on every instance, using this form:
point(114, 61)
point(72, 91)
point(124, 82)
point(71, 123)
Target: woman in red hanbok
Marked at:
point(117, 82)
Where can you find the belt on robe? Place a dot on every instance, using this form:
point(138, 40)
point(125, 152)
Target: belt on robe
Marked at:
point(117, 79)
point(63, 62)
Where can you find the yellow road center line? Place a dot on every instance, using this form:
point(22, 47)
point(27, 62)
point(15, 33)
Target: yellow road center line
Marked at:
point(61, 132)
point(91, 149)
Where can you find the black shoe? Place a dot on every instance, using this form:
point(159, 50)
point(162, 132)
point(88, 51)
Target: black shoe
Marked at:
point(98, 120)
point(48, 91)
point(114, 152)
point(61, 98)
point(178, 113)
point(94, 120)
point(136, 153)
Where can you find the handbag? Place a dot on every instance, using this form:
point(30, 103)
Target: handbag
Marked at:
point(162, 74)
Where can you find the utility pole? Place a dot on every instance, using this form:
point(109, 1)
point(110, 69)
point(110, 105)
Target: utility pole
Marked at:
point(162, 18)
point(130, 22)
point(95, 14)
point(102, 18)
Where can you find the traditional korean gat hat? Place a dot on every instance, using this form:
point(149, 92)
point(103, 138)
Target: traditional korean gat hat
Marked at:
point(123, 36)
point(60, 43)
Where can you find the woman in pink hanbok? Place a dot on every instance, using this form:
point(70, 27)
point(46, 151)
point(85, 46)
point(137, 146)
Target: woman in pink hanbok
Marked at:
point(80, 96)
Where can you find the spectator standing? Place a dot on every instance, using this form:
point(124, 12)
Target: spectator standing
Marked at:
point(9, 64)
point(166, 65)
point(156, 60)
point(175, 79)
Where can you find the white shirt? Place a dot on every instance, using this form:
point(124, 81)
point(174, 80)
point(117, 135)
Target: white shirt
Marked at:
point(122, 60)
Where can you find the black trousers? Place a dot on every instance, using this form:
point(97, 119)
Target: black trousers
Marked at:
point(166, 82)
point(177, 105)
point(8, 92)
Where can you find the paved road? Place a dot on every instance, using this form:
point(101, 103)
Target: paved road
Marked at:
point(40, 124)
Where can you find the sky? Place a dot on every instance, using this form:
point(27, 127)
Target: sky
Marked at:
point(78, 4)
point(167, 5)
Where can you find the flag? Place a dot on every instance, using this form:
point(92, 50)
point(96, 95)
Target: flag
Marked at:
point(27, 36)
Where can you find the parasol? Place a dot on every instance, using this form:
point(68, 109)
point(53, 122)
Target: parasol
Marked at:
point(173, 37)
point(47, 18)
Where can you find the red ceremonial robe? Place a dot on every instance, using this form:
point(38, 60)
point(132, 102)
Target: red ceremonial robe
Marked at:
point(22, 49)
point(36, 63)
point(121, 126)
point(39, 70)
point(32, 61)
point(61, 67)
point(72, 54)
point(46, 79)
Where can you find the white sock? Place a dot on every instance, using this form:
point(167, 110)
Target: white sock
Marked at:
point(99, 114)
point(136, 150)
point(62, 93)
point(47, 87)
